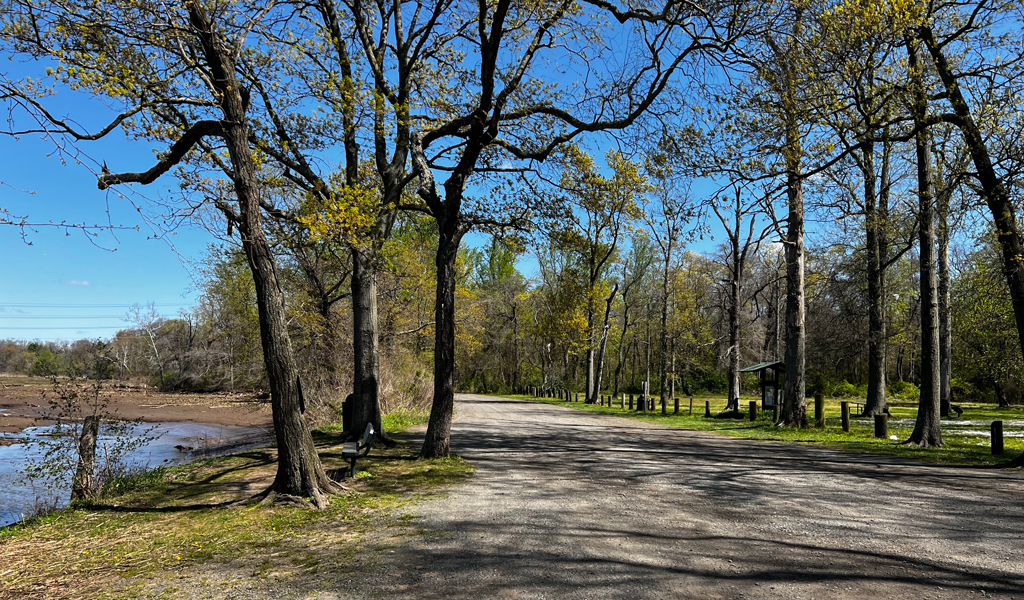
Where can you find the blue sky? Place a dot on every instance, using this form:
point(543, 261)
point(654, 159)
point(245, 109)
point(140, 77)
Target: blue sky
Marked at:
point(66, 287)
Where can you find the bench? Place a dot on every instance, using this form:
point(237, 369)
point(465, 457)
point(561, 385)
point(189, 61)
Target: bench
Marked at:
point(356, 450)
point(857, 409)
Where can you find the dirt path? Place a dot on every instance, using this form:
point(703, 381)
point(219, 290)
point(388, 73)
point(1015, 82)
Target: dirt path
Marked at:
point(572, 505)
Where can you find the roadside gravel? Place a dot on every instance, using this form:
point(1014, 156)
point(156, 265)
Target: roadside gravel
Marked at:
point(567, 504)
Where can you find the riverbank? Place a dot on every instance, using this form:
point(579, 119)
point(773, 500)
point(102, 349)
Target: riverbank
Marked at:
point(24, 403)
point(177, 533)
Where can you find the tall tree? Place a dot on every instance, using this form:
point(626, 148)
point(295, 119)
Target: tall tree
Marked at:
point(181, 63)
point(506, 108)
point(738, 249)
point(928, 429)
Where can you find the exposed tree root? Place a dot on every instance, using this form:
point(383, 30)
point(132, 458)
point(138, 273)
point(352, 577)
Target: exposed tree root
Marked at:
point(271, 497)
point(921, 443)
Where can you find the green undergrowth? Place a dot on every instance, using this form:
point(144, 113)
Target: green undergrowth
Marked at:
point(398, 420)
point(960, 448)
point(149, 533)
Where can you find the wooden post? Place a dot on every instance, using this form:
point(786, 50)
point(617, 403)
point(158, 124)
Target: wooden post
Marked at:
point(631, 402)
point(84, 483)
point(707, 409)
point(882, 426)
point(753, 410)
point(845, 408)
point(676, 412)
point(997, 438)
point(691, 406)
point(819, 410)
point(622, 401)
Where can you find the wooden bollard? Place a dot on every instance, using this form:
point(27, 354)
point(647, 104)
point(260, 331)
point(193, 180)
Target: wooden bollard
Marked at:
point(691, 406)
point(707, 409)
point(676, 411)
point(882, 426)
point(631, 402)
point(664, 406)
point(819, 410)
point(753, 410)
point(622, 401)
point(997, 438)
point(844, 407)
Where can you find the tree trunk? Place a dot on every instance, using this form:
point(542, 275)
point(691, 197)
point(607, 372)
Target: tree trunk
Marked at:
point(590, 393)
point(84, 483)
point(365, 338)
point(437, 440)
point(994, 190)
point(604, 339)
point(945, 307)
point(794, 407)
point(622, 342)
point(734, 327)
point(664, 320)
point(874, 226)
point(927, 429)
point(299, 472)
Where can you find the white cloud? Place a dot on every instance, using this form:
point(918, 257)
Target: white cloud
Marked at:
point(76, 282)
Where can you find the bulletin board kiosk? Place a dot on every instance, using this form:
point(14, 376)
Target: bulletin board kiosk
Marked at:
point(768, 372)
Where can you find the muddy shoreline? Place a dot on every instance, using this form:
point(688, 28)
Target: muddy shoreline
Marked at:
point(24, 402)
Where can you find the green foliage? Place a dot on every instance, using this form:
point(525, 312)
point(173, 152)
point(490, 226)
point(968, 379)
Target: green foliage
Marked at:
point(904, 389)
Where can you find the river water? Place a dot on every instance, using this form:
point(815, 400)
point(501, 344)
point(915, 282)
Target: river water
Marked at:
point(175, 444)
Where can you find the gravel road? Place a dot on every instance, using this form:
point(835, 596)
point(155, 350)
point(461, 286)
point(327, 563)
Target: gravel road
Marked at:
point(573, 505)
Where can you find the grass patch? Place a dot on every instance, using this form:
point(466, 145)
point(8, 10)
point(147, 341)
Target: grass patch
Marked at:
point(152, 532)
point(960, 449)
point(393, 422)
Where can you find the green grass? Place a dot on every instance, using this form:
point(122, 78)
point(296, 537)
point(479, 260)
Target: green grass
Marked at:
point(160, 525)
point(959, 449)
point(398, 420)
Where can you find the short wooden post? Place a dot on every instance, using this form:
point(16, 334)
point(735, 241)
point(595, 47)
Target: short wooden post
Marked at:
point(676, 411)
point(691, 406)
point(844, 406)
point(997, 438)
point(753, 410)
point(622, 401)
point(664, 406)
point(707, 409)
point(882, 426)
point(819, 410)
point(631, 402)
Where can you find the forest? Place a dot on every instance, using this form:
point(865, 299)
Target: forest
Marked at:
point(419, 197)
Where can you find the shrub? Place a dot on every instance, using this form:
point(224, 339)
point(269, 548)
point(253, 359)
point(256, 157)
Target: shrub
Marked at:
point(905, 390)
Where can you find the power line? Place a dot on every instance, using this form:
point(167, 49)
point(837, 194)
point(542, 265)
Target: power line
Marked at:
point(5, 316)
point(68, 327)
point(28, 305)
